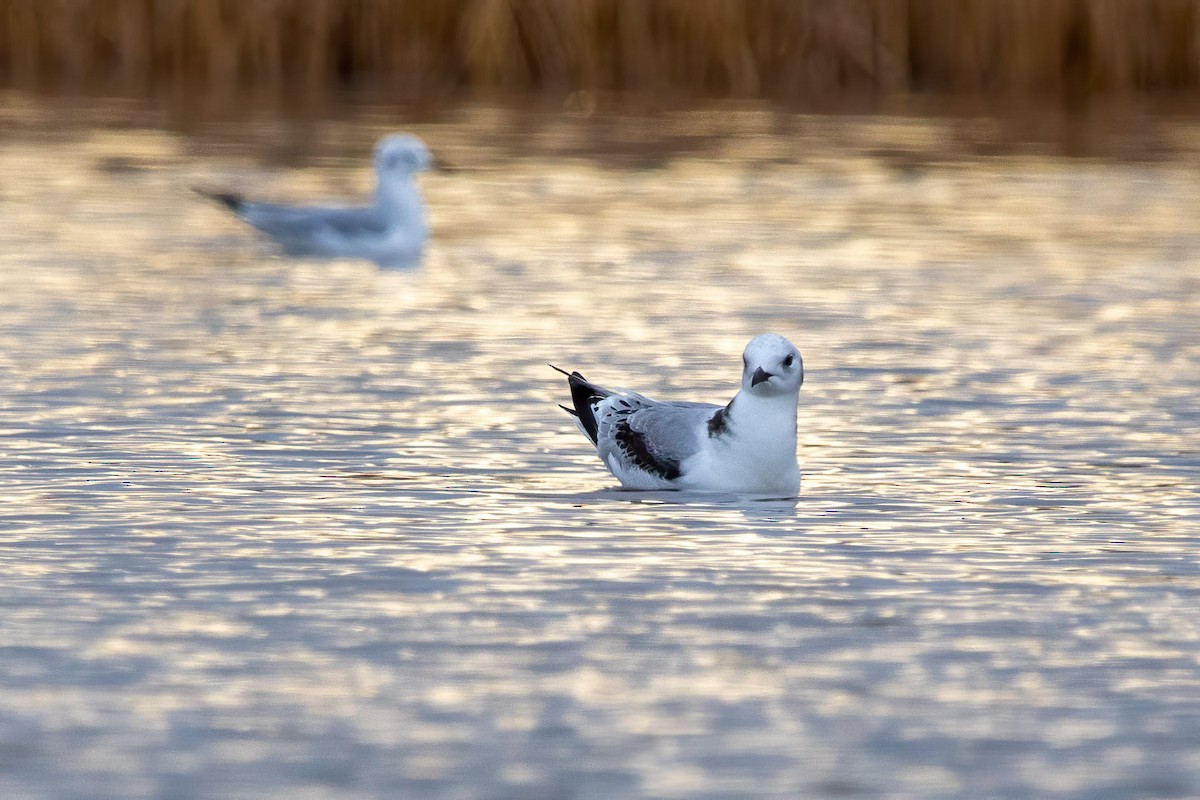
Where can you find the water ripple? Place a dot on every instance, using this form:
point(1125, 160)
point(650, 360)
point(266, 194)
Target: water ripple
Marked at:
point(282, 528)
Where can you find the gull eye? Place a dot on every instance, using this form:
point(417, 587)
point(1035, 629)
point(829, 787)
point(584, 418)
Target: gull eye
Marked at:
point(398, 159)
point(787, 362)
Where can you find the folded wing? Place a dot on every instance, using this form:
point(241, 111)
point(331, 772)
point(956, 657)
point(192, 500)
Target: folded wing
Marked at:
point(643, 441)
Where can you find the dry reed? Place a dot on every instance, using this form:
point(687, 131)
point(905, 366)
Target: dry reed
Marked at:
point(792, 50)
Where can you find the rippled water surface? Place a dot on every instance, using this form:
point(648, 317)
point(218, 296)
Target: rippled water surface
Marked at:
point(311, 530)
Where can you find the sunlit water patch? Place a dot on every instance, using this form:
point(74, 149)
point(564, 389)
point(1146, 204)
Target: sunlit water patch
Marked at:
point(280, 528)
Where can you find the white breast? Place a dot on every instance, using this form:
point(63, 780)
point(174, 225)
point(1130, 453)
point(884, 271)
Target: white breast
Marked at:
point(756, 455)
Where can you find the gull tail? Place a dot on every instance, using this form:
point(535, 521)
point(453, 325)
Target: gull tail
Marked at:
point(234, 202)
point(583, 395)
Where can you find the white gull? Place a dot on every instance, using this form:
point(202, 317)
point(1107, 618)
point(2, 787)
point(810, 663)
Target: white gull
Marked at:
point(747, 446)
point(391, 231)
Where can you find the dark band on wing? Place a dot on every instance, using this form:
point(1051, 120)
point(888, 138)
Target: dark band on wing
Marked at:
point(633, 446)
point(718, 423)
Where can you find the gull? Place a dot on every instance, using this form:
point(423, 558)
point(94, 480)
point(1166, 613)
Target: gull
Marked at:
point(391, 231)
point(747, 446)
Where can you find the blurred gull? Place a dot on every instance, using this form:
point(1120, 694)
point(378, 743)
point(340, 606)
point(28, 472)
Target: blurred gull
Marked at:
point(391, 231)
point(747, 446)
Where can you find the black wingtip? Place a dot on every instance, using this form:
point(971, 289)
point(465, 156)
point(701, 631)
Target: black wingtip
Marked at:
point(583, 395)
point(230, 200)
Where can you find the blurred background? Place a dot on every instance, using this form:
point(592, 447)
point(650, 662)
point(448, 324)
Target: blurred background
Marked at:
point(273, 527)
point(864, 54)
point(1089, 77)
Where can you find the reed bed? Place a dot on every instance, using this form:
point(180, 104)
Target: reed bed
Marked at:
point(790, 50)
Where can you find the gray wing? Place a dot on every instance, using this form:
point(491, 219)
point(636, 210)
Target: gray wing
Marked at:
point(651, 436)
point(298, 226)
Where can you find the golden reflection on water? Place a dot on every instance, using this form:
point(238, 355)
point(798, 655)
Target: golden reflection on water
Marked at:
point(265, 513)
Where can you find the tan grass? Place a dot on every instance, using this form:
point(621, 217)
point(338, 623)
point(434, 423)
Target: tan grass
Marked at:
point(792, 50)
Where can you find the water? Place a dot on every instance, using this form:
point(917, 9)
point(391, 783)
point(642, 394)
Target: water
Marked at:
point(285, 529)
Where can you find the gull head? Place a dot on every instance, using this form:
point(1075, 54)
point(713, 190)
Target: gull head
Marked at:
point(401, 154)
point(771, 366)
